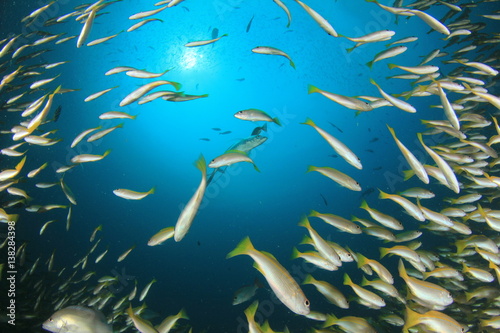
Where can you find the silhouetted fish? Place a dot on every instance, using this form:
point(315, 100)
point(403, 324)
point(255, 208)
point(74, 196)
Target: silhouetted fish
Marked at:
point(226, 132)
point(324, 200)
point(374, 140)
point(215, 33)
point(250, 24)
point(341, 131)
point(216, 129)
point(205, 139)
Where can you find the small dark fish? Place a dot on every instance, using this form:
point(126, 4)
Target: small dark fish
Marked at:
point(324, 200)
point(242, 79)
point(57, 113)
point(341, 131)
point(215, 33)
point(250, 24)
point(257, 130)
point(374, 139)
point(205, 139)
point(369, 150)
point(187, 9)
point(334, 156)
point(226, 132)
point(216, 129)
point(198, 242)
point(367, 192)
point(377, 168)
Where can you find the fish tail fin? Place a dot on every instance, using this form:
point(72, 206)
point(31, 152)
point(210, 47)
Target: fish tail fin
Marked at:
point(364, 281)
point(20, 165)
point(461, 245)
point(242, 248)
point(311, 168)
point(304, 222)
point(176, 85)
point(152, 190)
point(370, 64)
point(106, 153)
point(402, 270)
point(120, 125)
point(133, 117)
point(330, 318)
point(314, 213)
point(391, 66)
point(383, 195)
point(309, 279)
point(372, 81)
point(309, 122)
point(347, 280)
point(276, 121)
point(295, 253)
point(292, 64)
point(364, 205)
point(411, 319)
point(392, 131)
point(306, 240)
point(312, 89)
point(362, 260)
point(225, 35)
point(182, 314)
point(350, 49)
point(252, 309)
point(255, 167)
point(264, 127)
point(201, 164)
point(408, 174)
point(383, 252)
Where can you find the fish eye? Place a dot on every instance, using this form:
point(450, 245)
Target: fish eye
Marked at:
point(51, 320)
point(348, 255)
point(306, 303)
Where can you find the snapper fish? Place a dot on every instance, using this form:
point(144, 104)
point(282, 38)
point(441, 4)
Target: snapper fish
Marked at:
point(77, 319)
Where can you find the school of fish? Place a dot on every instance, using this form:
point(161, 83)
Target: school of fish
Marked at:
point(451, 288)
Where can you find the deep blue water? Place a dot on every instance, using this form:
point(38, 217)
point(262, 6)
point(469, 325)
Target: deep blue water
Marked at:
point(160, 146)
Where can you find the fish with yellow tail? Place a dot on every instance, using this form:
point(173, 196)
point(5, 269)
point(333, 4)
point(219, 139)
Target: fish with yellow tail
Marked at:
point(338, 146)
point(272, 51)
point(283, 285)
point(191, 209)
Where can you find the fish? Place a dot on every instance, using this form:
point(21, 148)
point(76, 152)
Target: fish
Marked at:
point(133, 195)
point(283, 285)
point(324, 24)
point(272, 51)
point(414, 163)
point(161, 236)
point(337, 176)
point(256, 115)
point(230, 157)
point(76, 319)
point(337, 145)
point(249, 24)
point(204, 42)
point(226, 132)
point(85, 158)
point(348, 102)
point(389, 53)
point(246, 293)
point(287, 11)
point(84, 33)
point(189, 212)
point(257, 130)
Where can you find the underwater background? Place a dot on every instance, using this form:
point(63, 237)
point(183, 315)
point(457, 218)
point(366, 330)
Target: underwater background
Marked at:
point(160, 146)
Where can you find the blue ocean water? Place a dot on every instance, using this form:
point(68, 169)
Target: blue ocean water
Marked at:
point(160, 146)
